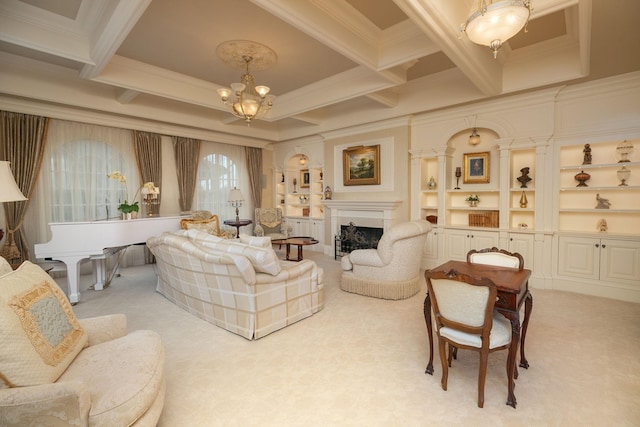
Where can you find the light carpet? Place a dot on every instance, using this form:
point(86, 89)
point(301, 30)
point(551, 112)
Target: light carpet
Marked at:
point(361, 361)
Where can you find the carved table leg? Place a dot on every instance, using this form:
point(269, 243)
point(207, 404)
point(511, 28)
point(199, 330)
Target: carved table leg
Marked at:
point(511, 359)
point(528, 306)
point(427, 319)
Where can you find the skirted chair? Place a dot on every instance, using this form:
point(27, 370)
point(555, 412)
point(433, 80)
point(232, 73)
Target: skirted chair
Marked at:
point(392, 271)
point(269, 224)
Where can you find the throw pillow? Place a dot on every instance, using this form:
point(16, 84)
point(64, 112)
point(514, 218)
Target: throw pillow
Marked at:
point(40, 334)
point(259, 242)
point(211, 225)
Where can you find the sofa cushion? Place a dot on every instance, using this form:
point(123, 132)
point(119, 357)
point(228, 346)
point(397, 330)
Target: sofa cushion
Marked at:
point(124, 377)
point(263, 260)
point(40, 334)
point(258, 242)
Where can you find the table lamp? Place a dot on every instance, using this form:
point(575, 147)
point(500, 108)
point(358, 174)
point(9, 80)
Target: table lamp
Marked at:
point(150, 197)
point(236, 199)
point(9, 191)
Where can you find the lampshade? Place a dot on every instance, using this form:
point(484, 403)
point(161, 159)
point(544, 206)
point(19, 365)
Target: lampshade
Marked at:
point(9, 191)
point(235, 195)
point(494, 23)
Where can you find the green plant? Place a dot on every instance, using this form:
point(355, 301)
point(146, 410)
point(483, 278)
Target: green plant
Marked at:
point(472, 198)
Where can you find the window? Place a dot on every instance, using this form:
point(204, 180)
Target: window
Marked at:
point(74, 185)
point(219, 171)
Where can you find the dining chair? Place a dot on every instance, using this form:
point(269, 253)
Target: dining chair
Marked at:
point(463, 310)
point(497, 257)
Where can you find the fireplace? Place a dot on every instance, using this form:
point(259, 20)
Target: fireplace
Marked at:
point(370, 213)
point(352, 237)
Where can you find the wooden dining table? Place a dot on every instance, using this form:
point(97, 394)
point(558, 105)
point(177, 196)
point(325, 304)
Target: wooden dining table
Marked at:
point(513, 291)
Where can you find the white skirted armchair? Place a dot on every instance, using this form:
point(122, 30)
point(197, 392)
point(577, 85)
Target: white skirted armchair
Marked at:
point(392, 271)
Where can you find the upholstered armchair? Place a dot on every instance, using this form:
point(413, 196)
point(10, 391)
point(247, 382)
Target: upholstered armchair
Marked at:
point(58, 370)
point(269, 224)
point(392, 271)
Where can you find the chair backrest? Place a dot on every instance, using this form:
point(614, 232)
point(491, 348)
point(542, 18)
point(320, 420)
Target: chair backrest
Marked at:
point(269, 217)
point(497, 257)
point(462, 302)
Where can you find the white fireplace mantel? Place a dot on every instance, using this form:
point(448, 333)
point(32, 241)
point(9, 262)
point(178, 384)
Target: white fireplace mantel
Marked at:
point(386, 211)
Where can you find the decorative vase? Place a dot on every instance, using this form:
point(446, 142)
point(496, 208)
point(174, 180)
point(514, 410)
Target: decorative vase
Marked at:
point(126, 216)
point(473, 203)
point(523, 200)
point(582, 178)
point(431, 185)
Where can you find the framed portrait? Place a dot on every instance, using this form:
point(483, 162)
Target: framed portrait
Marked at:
point(361, 165)
point(476, 168)
point(304, 178)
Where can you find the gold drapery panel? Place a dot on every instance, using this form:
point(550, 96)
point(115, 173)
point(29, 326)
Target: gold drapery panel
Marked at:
point(187, 156)
point(254, 169)
point(148, 149)
point(22, 141)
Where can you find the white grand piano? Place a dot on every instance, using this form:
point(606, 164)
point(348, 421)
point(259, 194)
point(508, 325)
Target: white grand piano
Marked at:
point(71, 242)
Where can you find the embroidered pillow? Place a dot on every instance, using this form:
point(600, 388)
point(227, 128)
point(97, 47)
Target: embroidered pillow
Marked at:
point(211, 225)
point(40, 334)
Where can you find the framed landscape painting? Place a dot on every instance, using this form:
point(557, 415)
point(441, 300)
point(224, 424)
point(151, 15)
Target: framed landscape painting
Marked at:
point(476, 168)
point(361, 165)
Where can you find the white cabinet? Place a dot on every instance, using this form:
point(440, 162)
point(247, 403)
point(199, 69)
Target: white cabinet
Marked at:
point(316, 227)
point(523, 244)
point(459, 242)
point(299, 227)
point(604, 259)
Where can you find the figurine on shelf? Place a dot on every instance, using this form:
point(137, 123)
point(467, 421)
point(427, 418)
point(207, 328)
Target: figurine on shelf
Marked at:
point(431, 185)
point(524, 178)
point(602, 226)
point(458, 175)
point(602, 202)
point(587, 154)
point(327, 193)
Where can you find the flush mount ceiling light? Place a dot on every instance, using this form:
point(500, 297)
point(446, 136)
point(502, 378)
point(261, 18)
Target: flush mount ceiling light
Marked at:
point(493, 23)
point(246, 100)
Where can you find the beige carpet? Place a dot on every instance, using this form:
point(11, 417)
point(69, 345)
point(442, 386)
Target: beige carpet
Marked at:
point(361, 362)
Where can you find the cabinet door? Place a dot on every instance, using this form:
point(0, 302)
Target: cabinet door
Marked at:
point(482, 239)
point(579, 257)
point(299, 227)
point(431, 247)
point(456, 244)
point(620, 261)
point(523, 244)
point(317, 230)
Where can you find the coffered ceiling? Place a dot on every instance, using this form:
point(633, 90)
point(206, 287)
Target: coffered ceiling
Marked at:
point(339, 62)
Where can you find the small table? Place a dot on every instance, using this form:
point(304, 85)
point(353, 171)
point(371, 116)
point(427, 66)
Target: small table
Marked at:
point(299, 241)
point(513, 291)
point(237, 224)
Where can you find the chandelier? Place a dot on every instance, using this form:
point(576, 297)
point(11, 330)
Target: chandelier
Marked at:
point(493, 23)
point(245, 100)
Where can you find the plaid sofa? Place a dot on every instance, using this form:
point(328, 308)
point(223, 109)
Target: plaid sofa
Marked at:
point(237, 286)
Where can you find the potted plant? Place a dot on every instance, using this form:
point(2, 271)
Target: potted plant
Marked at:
point(473, 200)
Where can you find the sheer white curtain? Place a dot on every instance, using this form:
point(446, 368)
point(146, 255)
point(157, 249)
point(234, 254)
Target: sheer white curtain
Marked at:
point(73, 183)
point(222, 167)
